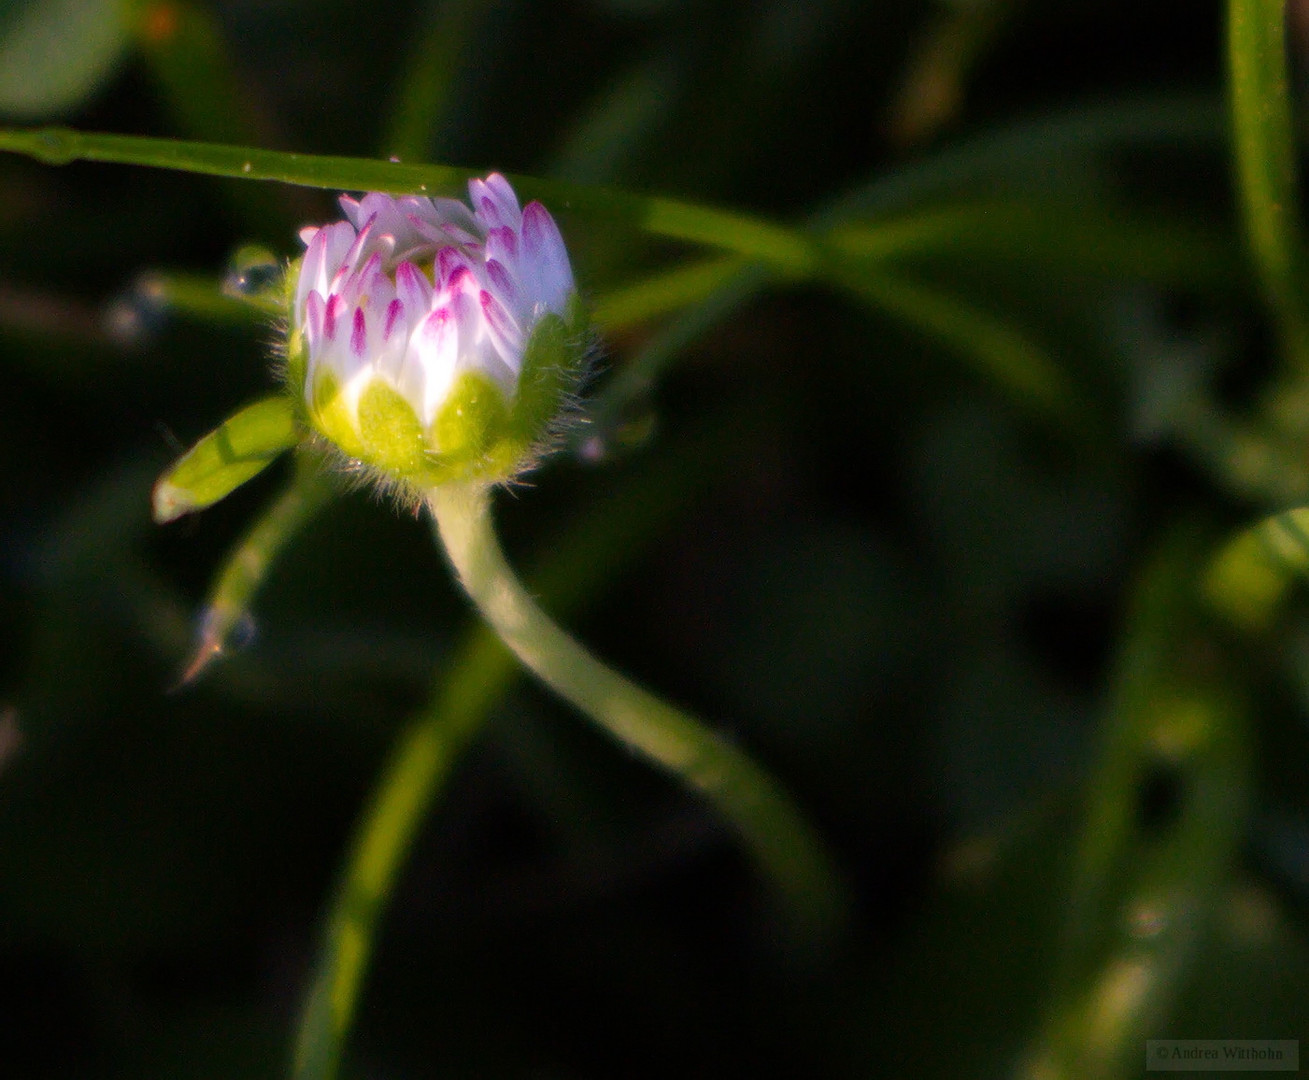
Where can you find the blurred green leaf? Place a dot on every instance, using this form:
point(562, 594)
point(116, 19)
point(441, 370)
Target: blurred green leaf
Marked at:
point(1022, 150)
point(932, 93)
point(1167, 805)
point(1077, 240)
point(613, 129)
point(1252, 572)
point(428, 80)
point(238, 449)
point(1265, 159)
point(56, 53)
point(999, 352)
point(196, 296)
point(661, 294)
point(194, 73)
point(974, 967)
point(248, 564)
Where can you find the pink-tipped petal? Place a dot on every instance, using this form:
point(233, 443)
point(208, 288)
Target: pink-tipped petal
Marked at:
point(359, 334)
point(452, 213)
point(395, 317)
point(331, 316)
point(351, 208)
point(315, 308)
point(412, 287)
point(450, 261)
point(322, 261)
point(545, 256)
point(361, 238)
point(502, 330)
point(494, 202)
point(502, 245)
point(433, 355)
point(503, 283)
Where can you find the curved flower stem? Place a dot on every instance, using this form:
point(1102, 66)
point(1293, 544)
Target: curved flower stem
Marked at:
point(784, 844)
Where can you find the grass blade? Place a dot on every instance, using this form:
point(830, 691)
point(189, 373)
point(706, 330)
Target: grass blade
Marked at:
point(1145, 882)
point(787, 251)
point(1265, 160)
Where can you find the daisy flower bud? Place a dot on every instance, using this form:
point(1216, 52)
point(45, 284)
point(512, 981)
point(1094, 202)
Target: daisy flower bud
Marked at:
point(434, 342)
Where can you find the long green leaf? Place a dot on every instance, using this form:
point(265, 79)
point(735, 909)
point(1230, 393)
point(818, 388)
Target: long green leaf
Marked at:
point(1013, 149)
point(1166, 120)
point(997, 351)
point(238, 449)
point(662, 294)
point(1265, 160)
point(1074, 240)
point(187, 55)
point(197, 297)
point(1143, 888)
point(784, 249)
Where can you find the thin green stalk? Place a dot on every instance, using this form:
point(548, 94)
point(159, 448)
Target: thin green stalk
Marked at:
point(248, 563)
point(196, 296)
point(636, 377)
point(1265, 161)
point(418, 767)
point(786, 250)
point(783, 843)
point(1012, 150)
point(474, 677)
point(661, 294)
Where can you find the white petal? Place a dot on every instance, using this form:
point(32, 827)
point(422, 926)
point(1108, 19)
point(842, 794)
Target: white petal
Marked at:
point(502, 330)
point(545, 258)
point(429, 366)
point(494, 202)
point(413, 288)
point(321, 262)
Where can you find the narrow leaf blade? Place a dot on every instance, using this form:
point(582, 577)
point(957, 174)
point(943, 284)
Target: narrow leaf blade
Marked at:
point(238, 449)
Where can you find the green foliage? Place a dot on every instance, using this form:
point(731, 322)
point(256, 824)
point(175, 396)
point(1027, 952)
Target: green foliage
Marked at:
point(55, 53)
point(241, 447)
point(1265, 158)
point(948, 450)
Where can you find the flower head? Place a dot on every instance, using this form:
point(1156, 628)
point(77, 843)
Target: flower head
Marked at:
point(432, 341)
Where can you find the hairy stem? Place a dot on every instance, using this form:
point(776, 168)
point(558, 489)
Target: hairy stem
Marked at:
point(785, 846)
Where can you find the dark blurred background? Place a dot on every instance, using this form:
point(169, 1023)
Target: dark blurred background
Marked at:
point(893, 581)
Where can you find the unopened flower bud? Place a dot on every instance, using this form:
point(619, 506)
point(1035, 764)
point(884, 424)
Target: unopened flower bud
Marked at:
point(432, 342)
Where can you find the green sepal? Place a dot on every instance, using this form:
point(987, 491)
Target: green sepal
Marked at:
point(238, 449)
point(472, 420)
point(481, 432)
point(330, 415)
point(545, 380)
point(390, 431)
